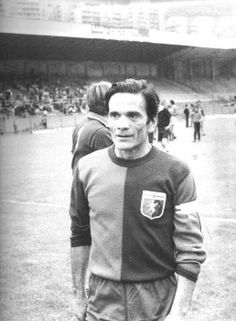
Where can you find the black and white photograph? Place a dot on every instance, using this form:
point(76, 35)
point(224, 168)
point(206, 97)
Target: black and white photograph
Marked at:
point(117, 160)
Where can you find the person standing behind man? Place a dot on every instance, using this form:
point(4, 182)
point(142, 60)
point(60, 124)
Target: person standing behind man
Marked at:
point(163, 125)
point(200, 107)
point(173, 110)
point(134, 222)
point(191, 114)
point(186, 114)
point(92, 133)
point(196, 119)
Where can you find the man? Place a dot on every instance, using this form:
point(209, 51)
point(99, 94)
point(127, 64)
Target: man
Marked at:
point(164, 123)
point(186, 114)
point(92, 133)
point(134, 222)
point(173, 110)
point(200, 107)
point(196, 119)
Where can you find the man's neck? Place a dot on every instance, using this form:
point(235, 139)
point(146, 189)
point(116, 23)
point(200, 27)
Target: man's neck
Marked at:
point(133, 154)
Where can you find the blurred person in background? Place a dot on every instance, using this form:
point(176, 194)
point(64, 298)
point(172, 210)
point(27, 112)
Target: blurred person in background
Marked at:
point(92, 133)
point(196, 119)
point(134, 223)
point(163, 124)
point(173, 110)
point(202, 127)
point(186, 115)
point(191, 115)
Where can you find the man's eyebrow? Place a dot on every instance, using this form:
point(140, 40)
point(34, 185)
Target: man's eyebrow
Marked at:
point(133, 113)
point(114, 112)
point(128, 113)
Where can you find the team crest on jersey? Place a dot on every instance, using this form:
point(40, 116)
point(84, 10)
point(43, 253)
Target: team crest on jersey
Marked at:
point(153, 204)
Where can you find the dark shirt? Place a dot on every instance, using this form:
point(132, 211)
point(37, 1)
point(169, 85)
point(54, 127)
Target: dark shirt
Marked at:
point(90, 135)
point(186, 112)
point(163, 118)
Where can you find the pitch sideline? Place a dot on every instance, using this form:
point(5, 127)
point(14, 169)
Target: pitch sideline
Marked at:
point(11, 201)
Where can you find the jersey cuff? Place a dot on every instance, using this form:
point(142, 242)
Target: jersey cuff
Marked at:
point(191, 275)
point(80, 241)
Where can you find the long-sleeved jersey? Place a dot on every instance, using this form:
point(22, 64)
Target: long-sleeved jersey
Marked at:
point(137, 215)
point(90, 135)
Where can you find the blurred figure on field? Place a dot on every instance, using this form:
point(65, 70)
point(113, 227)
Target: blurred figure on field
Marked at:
point(173, 111)
point(199, 105)
point(173, 108)
point(163, 125)
point(196, 118)
point(191, 115)
point(92, 133)
point(44, 121)
point(186, 115)
point(15, 128)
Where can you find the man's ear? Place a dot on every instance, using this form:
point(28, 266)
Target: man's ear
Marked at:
point(152, 124)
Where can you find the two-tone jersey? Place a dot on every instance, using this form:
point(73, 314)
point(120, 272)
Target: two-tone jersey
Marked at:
point(137, 216)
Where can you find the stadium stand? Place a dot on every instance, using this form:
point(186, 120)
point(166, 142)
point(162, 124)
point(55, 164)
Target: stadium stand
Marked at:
point(41, 72)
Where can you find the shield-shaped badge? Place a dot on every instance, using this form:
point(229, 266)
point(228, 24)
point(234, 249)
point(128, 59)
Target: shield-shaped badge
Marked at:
point(153, 204)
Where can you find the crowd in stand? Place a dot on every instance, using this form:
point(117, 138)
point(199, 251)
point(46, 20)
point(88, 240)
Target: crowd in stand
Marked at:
point(35, 97)
point(21, 99)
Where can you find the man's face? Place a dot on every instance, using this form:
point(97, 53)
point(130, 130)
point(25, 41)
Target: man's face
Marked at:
point(129, 124)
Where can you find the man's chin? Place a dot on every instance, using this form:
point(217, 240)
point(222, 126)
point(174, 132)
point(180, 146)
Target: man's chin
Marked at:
point(123, 145)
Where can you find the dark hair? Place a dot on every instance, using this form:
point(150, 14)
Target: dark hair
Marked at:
point(96, 97)
point(136, 87)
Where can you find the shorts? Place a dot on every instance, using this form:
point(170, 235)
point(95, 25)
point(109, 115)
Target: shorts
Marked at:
point(150, 137)
point(163, 133)
point(129, 301)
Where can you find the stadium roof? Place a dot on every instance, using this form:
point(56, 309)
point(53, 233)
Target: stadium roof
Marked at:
point(13, 46)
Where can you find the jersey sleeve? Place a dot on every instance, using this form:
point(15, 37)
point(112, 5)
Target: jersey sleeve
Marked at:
point(79, 213)
point(101, 139)
point(74, 139)
point(187, 236)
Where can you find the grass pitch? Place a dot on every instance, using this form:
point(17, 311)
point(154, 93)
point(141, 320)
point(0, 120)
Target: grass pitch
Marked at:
point(35, 186)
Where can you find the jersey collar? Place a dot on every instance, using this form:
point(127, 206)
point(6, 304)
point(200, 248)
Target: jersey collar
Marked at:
point(97, 117)
point(131, 162)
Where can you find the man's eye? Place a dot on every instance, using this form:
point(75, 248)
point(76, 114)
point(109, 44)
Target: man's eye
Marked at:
point(113, 115)
point(133, 115)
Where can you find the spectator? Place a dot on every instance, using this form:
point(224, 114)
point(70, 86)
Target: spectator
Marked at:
point(163, 124)
point(199, 105)
point(15, 128)
point(186, 114)
point(44, 122)
point(196, 119)
point(173, 111)
point(191, 115)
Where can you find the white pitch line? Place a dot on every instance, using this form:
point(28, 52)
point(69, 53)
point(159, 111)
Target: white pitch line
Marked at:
point(224, 220)
point(34, 203)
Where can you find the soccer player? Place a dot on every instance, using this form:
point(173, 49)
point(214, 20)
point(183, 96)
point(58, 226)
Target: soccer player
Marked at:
point(196, 119)
point(92, 133)
point(186, 115)
point(134, 222)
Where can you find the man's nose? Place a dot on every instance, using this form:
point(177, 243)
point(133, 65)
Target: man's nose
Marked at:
point(123, 122)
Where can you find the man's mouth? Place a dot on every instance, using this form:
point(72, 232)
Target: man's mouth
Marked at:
point(123, 136)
